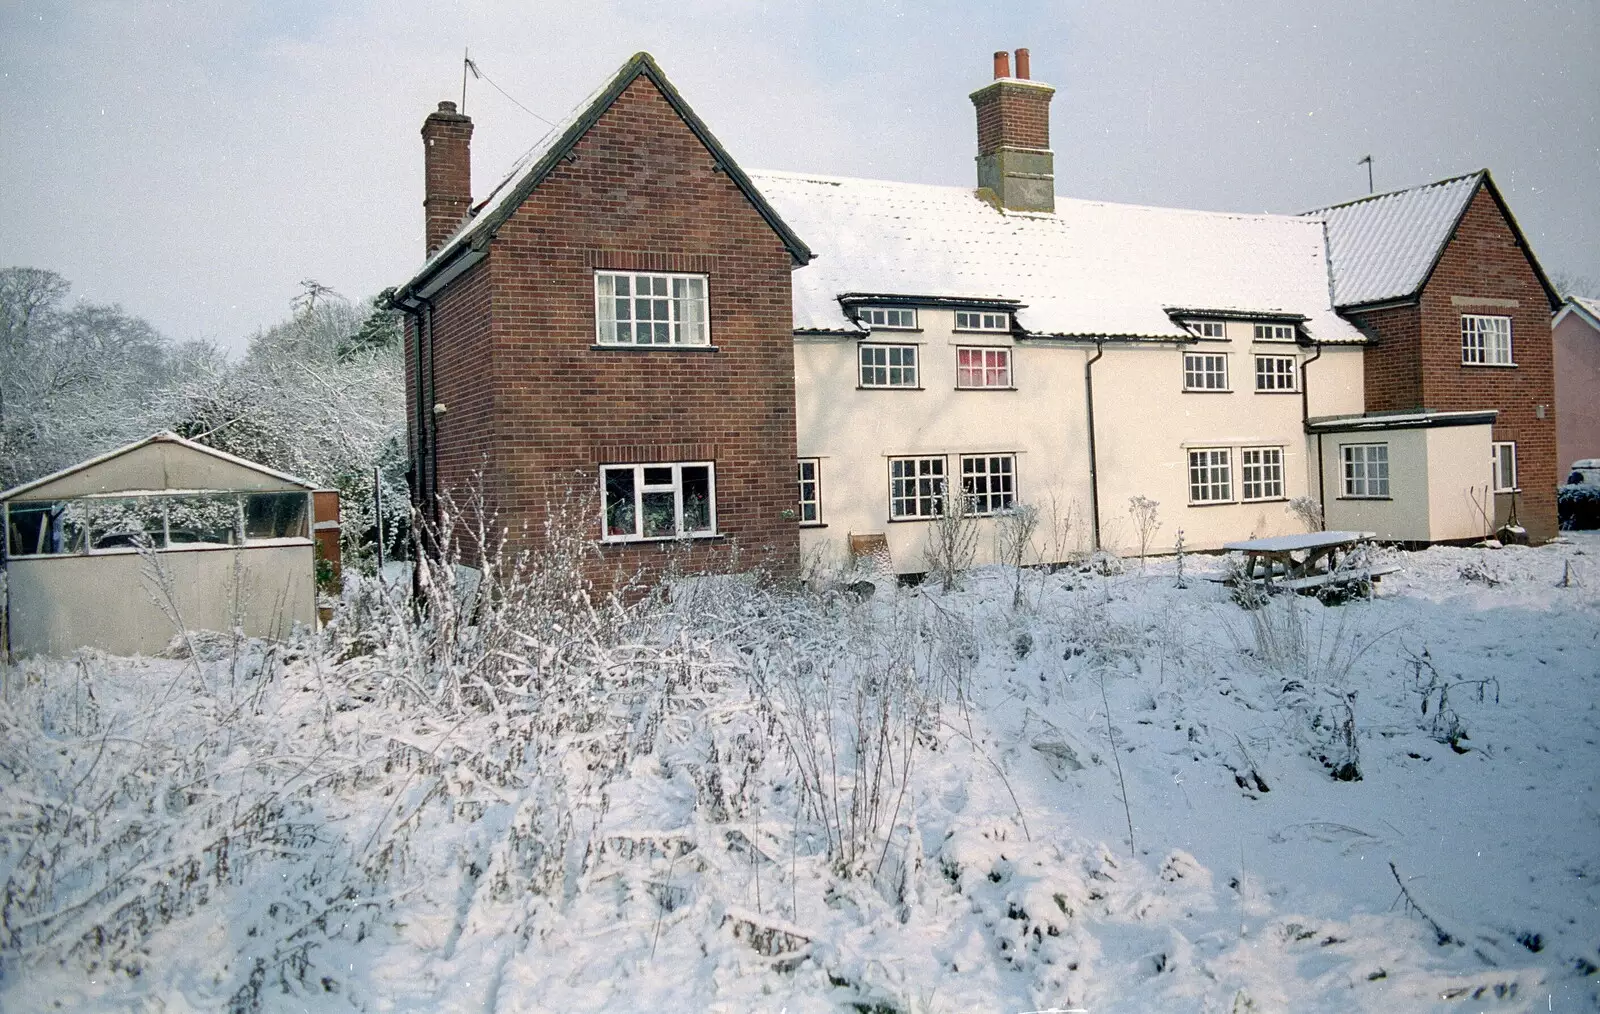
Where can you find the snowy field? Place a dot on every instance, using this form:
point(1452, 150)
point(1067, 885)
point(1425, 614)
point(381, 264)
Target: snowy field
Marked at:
point(1118, 797)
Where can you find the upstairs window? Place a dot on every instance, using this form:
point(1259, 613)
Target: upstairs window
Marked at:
point(903, 317)
point(1203, 371)
point(1275, 373)
point(978, 368)
point(1485, 341)
point(1275, 332)
point(973, 320)
point(1366, 470)
point(659, 501)
point(650, 309)
point(1209, 328)
point(888, 366)
point(1505, 467)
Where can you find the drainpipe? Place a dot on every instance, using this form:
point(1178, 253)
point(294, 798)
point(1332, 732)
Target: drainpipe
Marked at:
point(433, 422)
point(1305, 416)
point(1094, 471)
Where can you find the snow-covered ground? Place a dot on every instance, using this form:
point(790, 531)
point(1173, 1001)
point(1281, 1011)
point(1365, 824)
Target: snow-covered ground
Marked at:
point(916, 802)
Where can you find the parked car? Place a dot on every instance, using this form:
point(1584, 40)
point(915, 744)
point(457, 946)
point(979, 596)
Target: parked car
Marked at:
point(1585, 472)
point(1578, 501)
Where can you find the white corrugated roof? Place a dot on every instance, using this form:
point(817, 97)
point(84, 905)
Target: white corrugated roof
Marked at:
point(1091, 268)
point(1383, 247)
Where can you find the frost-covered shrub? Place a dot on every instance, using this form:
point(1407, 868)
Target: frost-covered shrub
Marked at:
point(1578, 507)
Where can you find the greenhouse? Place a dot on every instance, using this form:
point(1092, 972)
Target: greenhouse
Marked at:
point(125, 551)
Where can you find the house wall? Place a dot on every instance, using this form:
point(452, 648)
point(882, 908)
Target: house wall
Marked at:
point(114, 602)
point(856, 431)
point(1577, 370)
point(1457, 458)
point(1482, 270)
point(543, 408)
point(1402, 517)
point(1146, 425)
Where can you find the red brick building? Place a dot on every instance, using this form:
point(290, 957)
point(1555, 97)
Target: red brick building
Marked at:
point(1457, 312)
point(615, 320)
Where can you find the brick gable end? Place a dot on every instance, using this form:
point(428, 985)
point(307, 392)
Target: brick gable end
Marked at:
point(639, 191)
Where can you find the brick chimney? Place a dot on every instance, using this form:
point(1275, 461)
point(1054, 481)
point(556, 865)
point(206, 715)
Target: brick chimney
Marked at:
point(1016, 169)
point(447, 171)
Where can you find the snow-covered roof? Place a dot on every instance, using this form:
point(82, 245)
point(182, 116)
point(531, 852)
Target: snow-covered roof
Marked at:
point(1385, 247)
point(537, 162)
point(1585, 306)
point(1090, 269)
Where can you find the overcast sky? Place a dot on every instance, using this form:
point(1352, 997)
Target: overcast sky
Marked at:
point(194, 162)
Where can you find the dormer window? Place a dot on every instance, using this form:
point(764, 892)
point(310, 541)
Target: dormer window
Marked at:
point(1209, 328)
point(903, 317)
point(973, 320)
point(1275, 333)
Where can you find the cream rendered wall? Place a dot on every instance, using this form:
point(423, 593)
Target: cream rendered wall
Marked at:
point(1403, 517)
point(854, 432)
point(1459, 460)
point(1146, 424)
point(113, 601)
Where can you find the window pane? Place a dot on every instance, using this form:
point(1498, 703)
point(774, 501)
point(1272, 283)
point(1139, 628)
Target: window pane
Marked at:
point(275, 516)
point(660, 514)
point(203, 520)
point(658, 475)
point(47, 527)
point(126, 523)
point(620, 517)
point(696, 498)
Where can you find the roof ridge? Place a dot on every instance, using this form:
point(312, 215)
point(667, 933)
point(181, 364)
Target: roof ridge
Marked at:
point(1395, 193)
point(831, 180)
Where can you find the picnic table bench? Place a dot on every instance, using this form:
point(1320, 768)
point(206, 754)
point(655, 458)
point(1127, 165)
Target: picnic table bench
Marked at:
point(1308, 561)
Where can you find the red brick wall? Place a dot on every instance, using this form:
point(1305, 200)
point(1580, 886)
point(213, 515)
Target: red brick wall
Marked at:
point(1014, 115)
point(1483, 261)
point(546, 408)
point(1392, 363)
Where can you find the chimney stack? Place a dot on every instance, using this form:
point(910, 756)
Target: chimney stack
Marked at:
point(1016, 168)
point(447, 173)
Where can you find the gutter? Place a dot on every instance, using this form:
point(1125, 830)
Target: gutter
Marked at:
point(1094, 471)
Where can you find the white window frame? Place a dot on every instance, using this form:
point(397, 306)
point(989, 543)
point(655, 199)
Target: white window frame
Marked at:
point(641, 488)
point(1364, 471)
point(982, 320)
point(1292, 374)
point(910, 374)
point(1275, 333)
point(993, 371)
point(1208, 485)
point(683, 309)
point(892, 318)
point(1261, 473)
point(1503, 459)
point(810, 491)
point(1486, 340)
point(1209, 328)
point(989, 482)
point(1200, 366)
point(917, 483)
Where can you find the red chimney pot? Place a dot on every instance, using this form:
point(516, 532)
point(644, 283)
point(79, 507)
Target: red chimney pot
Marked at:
point(1002, 65)
point(1022, 64)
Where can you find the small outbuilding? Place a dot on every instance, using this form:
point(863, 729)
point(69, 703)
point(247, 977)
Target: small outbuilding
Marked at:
point(122, 551)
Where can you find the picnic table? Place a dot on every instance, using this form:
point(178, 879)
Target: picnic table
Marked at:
point(1305, 561)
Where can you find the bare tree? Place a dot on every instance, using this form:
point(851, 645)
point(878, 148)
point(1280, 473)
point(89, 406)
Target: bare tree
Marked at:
point(1146, 522)
point(1013, 536)
point(952, 539)
point(1309, 510)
